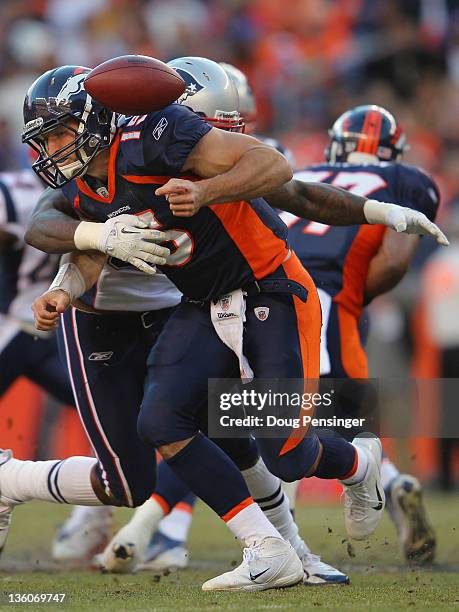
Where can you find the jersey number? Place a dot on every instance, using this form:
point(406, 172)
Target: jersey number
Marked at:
point(180, 241)
point(360, 183)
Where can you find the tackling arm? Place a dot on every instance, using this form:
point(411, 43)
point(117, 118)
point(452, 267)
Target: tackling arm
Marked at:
point(233, 166)
point(53, 228)
point(78, 273)
point(52, 225)
point(335, 206)
point(319, 202)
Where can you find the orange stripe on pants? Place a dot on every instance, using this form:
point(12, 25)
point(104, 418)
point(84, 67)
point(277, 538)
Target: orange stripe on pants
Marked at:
point(353, 356)
point(309, 318)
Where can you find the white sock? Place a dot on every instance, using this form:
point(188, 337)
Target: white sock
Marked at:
point(361, 469)
point(147, 516)
point(266, 490)
point(59, 481)
point(251, 526)
point(261, 483)
point(177, 524)
point(388, 472)
point(290, 489)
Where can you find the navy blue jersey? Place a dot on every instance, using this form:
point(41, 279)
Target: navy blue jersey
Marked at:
point(338, 257)
point(223, 247)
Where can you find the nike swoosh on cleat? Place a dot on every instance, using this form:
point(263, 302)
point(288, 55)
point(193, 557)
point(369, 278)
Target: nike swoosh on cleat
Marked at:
point(380, 505)
point(252, 577)
point(125, 231)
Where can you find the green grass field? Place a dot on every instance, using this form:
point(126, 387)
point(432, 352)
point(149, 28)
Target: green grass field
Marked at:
point(380, 579)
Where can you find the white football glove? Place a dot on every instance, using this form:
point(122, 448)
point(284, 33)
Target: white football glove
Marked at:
point(402, 219)
point(125, 237)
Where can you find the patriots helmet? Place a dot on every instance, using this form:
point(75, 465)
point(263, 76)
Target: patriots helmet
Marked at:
point(58, 99)
point(247, 105)
point(209, 92)
point(366, 134)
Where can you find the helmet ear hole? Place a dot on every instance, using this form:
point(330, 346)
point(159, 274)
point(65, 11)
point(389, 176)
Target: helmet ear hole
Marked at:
point(104, 117)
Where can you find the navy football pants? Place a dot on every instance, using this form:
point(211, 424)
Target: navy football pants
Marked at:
point(188, 352)
point(107, 360)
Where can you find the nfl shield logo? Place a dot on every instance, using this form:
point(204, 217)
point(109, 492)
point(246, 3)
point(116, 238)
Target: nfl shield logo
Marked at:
point(262, 313)
point(225, 302)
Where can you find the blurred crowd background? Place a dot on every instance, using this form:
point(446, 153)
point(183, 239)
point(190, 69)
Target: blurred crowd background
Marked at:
point(308, 61)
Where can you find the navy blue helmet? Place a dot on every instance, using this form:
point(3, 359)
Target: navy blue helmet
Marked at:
point(364, 132)
point(58, 99)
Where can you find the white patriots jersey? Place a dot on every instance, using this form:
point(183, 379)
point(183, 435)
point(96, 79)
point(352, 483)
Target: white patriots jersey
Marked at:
point(128, 289)
point(25, 272)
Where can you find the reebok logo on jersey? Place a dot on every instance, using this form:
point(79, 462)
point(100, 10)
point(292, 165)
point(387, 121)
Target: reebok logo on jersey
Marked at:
point(159, 128)
point(262, 313)
point(101, 356)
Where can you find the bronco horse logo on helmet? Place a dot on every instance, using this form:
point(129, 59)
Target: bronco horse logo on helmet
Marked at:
point(73, 85)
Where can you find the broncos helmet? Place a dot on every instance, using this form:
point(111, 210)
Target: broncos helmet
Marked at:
point(58, 99)
point(365, 134)
point(209, 92)
point(247, 105)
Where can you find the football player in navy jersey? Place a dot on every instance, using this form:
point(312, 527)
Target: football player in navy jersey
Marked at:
point(218, 257)
point(352, 265)
point(166, 552)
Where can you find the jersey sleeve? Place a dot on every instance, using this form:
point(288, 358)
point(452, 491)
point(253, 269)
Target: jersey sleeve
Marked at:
point(169, 136)
point(417, 190)
point(8, 216)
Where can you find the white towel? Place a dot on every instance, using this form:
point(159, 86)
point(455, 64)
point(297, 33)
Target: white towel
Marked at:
point(228, 318)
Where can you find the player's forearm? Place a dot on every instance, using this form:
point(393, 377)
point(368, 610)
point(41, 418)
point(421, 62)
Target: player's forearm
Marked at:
point(382, 277)
point(89, 264)
point(258, 171)
point(319, 202)
point(52, 232)
point(50, 229)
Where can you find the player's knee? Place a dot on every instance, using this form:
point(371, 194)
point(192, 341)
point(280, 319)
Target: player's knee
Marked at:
point(296, 463)
point(243, 451)
point(286, 470)
point(154, 429)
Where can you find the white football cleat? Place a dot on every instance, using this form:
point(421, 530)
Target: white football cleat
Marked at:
point(364, 501)
point(5, 509)
point(164, 554)
point(271, 564)
point(170, 560)
point(85, 533)
point(415, 531)
point(318, 573)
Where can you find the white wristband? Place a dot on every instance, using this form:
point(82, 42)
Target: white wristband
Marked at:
point(87, 236)
point(70, 280)
point(377, 212)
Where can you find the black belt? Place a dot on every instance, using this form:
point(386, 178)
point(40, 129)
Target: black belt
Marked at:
point(276, 285)
point(266, 285)
point(147, 319)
